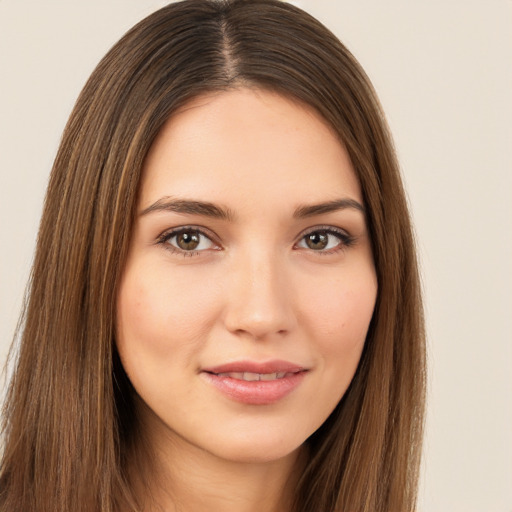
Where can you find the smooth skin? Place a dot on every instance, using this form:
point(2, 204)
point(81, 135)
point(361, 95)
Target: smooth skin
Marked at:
point(254, 274)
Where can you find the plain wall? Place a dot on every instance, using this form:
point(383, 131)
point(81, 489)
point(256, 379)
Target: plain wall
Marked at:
point(443, 71)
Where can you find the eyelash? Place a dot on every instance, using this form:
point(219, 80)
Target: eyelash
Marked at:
point(345, 239)
point(164, 238)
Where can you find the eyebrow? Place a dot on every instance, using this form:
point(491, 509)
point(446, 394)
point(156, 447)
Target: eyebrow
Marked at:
point(190, 207)
point(207, 209)
point(305, 211)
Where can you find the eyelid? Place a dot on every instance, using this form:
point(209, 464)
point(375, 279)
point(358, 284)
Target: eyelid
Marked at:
point(346, 239)
point(166, 235)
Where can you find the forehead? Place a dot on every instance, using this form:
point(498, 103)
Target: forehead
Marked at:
point(248, 146)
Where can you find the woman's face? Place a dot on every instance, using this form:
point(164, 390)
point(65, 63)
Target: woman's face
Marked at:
point(250, 283)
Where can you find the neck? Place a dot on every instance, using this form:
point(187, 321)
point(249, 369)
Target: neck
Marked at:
point(185, 478)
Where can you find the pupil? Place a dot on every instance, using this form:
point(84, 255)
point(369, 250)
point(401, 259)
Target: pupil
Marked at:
point(317, 240)
point(188, 241)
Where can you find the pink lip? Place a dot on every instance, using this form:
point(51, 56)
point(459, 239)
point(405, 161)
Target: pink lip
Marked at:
point(274, 366)
point(260, 392)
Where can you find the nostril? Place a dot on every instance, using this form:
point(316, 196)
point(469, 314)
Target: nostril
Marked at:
point(259, 303)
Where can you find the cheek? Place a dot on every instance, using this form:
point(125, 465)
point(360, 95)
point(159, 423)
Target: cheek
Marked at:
point(161, 314)
point(339, 314)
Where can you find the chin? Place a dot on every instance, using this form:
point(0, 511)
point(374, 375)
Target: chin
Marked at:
point(254, 449)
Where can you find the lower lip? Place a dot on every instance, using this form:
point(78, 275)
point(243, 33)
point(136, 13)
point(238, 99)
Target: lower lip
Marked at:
point(258, 392)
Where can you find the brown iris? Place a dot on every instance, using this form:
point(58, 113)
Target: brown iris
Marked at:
point(188, 240)
point(317, 240)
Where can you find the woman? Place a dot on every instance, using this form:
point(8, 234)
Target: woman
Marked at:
point(224, 310)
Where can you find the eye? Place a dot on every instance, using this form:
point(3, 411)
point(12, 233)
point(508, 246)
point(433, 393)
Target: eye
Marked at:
point(187, 241)
point(325, 240)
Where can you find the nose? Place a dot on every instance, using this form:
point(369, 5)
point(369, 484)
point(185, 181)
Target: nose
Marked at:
point(260, 298)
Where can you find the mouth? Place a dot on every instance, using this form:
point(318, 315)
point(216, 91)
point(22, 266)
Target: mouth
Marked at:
point(253, 377)
point(276, 367)
point(254, 383)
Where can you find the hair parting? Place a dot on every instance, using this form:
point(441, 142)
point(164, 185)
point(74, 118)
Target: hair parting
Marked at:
point(69, 425)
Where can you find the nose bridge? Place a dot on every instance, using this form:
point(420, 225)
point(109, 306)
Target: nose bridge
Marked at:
point(259, 302)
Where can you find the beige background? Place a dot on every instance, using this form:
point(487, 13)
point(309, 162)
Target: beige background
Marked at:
point(443, 70)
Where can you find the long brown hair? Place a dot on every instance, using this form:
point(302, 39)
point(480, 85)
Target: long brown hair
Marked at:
point(68, 417)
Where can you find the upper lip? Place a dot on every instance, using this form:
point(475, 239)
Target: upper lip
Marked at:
point(275, 366)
